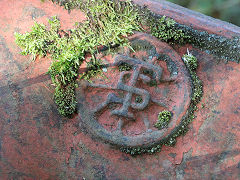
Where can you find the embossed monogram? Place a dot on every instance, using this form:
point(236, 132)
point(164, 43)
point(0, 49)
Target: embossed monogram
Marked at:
point(110, 108)
point(138, 68)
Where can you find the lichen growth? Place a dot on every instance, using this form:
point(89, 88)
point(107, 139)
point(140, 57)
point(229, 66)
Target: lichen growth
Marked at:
point(164, 118)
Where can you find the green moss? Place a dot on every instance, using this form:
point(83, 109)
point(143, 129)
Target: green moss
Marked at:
point(220, 46)
point(108, 24)
point(94, 69)
point(138, 150)
point(153, 83)
point(163, 29)
point(124, 67)
point(138, 99)
point(148, 72)
point(190, 61)
point(163, 119)
point(65, 99)
point(35, 42)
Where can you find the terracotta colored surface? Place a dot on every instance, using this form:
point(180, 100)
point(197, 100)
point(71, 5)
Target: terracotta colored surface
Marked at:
point(190, 18)
point(136, 126)
point(36, 143)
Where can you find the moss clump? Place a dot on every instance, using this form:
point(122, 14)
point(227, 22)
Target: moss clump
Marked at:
point(66, 56)
point(138, 150)
point(138, 99)
point(40, 40)
point(164, 29)
point(108, 24)
point(153, 83)
point(65, 99)
point(163, 119)
point(197, 93)
point(94, 69)
point(124, 67)
point(190, 61)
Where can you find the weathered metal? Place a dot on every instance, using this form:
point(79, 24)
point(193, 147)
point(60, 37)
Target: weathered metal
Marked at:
point(37, 143)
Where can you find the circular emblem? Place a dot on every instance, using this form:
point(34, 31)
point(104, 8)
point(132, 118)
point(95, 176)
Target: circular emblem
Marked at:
point(122, 108)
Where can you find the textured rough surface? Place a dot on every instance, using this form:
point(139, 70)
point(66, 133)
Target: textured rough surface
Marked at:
point(114, 100)
point(36, 143)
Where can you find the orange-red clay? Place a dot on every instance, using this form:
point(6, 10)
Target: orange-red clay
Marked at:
point(37, 143)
